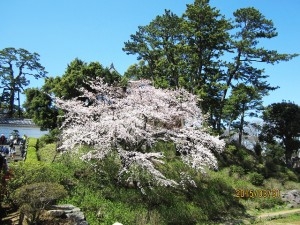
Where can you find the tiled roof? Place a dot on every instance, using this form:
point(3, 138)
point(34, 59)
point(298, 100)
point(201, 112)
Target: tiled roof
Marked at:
point(17, 122)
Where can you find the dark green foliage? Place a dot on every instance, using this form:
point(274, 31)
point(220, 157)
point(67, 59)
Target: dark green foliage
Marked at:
point(36, 172)
point(33, 171)
point(268, 203)
point(104, 200)
point(35, 197)
point(234, 169)
point(99, 209)
point(256, 179)
point(174, 205)
point(75, 77)
point(158, 45)
point(215, 194)
point(282, 126)
point(15, 67)
point(273, 160)
point(242, 99)
point(237, 155)
point(40, 107)
point(192, 51)
point(51, 137)
point(39, 104)
point(292, 175)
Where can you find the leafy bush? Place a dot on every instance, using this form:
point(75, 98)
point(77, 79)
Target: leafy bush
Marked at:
point(291, 185)
point(25, 174)
point(292, 176)
point(216, 194)
point(272, 183)
point(99, 210)
point(93, 187)
point(31, 155)
point(47, 153)
point(50, 138)
point(234, 169)
point(238, 156)
point(32, 142)
point(256, 178)
point(250, 163)
point(33, 198)
point(268, 203)
point(151, 217)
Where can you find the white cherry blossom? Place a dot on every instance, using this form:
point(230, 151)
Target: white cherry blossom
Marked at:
point(131, 121)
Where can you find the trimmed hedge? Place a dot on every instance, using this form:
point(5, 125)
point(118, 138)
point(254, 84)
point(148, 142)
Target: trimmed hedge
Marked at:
point(31, 155)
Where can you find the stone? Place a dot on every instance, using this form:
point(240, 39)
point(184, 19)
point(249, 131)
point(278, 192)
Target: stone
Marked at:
point(68, 211)
point(292, 198)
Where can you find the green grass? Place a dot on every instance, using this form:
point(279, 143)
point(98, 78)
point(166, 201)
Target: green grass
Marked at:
point(31, 155)
point(94, 188)
point(293, 219)
point(47, 153)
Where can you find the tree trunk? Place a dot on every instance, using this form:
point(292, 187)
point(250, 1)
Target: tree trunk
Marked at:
point(288, 158)
point(231, 74)
point(288, 151)
point(241, 127)
point(11, 102)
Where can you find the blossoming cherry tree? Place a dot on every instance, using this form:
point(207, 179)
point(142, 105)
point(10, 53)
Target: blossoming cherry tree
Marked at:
point(130, 121)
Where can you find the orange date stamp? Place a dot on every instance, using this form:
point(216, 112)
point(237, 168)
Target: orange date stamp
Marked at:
point(257, 193)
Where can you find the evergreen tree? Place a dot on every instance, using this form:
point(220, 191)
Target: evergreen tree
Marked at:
point(40, 107)
point(16, 65)
point(205, 53)
point(243, 101)
point(250, 26)
point(282, 125)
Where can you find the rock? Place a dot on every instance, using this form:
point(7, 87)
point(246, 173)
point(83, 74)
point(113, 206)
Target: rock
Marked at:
point(68, 211)
point(56, 213)
point(292, 198)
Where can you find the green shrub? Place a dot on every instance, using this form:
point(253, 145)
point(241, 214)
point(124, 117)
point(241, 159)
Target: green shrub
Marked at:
point(291, 185)
point(99, 210)
point(33, 198)
point(152, 217)
point(238, 156)
point(256, 178)
point(32, 142)
point(36, 172)
point(31, 155)
point(282, 176)
point(272, 183)
point(47, 153)
point(292, 176)
point(234, 169)
point(95, 188)
point(215, 193)
point(50, 138)
point(232, 148)
point(250, 163)
point(268, 203)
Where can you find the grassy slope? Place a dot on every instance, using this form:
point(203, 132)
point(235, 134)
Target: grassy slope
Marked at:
point(214, 195)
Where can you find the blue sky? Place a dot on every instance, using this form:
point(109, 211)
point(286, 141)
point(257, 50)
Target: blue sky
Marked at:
point(95, 30)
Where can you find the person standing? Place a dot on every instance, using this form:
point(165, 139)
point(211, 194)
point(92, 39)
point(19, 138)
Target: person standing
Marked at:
point(2, 139)
point(12, 150)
